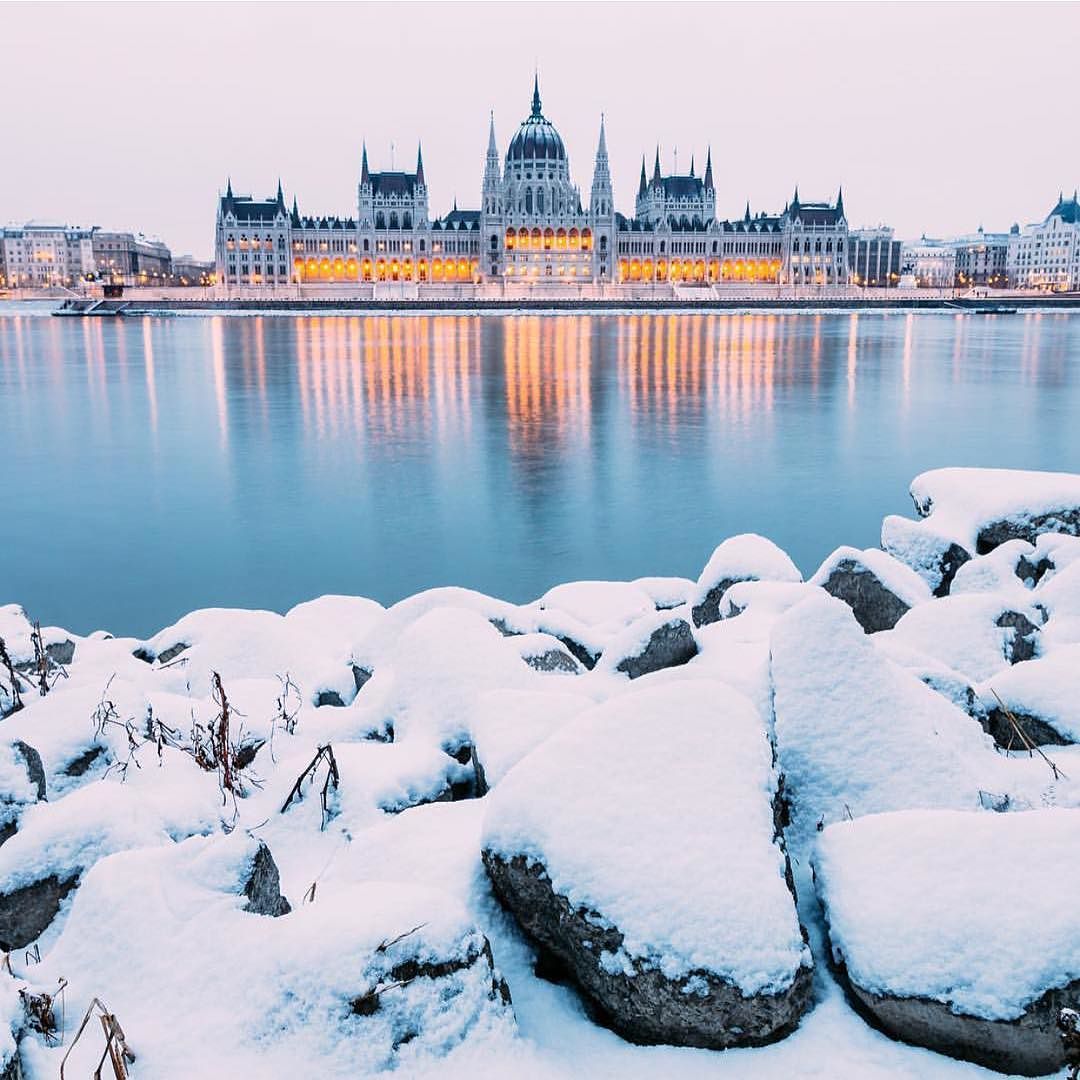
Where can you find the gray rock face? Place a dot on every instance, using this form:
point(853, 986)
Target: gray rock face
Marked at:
point(263, 887)
point(360, 676)
point(329, 697)
point(25, 913)
point(669, 645)
point(554, 660)
point(1064, 519)
point(876, 607)
point(1036, 730)
point(708, 611)
point(172, 652)
point(81, 764)
point(1031, 573)
point(584, 656)
point(61, 652)
point(1028, 1046)
point(646, 1007)
point(1024, 643)
point(10, 808)
point(34, 769)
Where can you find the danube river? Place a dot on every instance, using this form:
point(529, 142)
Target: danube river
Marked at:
point(151, 466)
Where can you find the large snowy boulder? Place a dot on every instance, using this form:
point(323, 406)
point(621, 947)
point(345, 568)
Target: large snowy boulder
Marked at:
point(959, 931)
point(746, 557)
point(879, 589)
point(639, 845)
point(856, 734)
point(987, 507)
point(364, 979)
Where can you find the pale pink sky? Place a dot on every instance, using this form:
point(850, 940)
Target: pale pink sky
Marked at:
point(934, 117)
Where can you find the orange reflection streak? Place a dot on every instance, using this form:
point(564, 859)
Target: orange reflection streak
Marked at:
point(148, 364)
point(217, 356)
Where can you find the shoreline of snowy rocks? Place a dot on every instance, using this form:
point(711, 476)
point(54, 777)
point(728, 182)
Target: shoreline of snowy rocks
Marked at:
point(695, 801)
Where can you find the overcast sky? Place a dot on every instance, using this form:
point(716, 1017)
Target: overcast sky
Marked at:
point(936, 118)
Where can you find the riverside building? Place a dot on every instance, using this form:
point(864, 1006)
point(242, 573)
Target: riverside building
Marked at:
point(1046, 254)
point(532, 227)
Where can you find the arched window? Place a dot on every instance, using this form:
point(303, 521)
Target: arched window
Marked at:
point(406, 220)
point(380, 221)
point(540, 201)
point(528, 200)
point(393, 219)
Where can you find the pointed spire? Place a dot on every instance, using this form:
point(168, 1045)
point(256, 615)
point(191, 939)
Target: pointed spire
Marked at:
point(656, 166)
point(840, 201)
point(228, 189)
point(746, 216)
point(365, 176)
point(691, 166)
point(708, 171)
point(602, 148)
point(643, 184)
point(536, 94)
point(493, 150)
point(295, 208)
point(419, 164)
point(795, 199)
point(280, 195)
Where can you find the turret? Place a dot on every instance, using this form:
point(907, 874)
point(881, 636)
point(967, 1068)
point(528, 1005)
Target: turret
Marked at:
point(420, 166)
point(840, 202)
point(708, 171)
point(602, 199)
point(365, 176)
point(656, 167)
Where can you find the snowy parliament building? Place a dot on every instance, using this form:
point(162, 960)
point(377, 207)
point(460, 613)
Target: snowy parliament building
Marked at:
point(531, 229)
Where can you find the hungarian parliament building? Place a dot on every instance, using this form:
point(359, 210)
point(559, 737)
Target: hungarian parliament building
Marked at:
point(531, 228)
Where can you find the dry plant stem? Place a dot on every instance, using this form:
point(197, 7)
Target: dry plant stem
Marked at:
point(116, 1049)
point(5, 660)
point(1028, 744)
point(333, 777)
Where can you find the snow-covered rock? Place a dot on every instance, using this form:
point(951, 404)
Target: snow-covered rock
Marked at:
point(878, 588)
point(22, 782)
point(660, 640)
point(935, 556)
point(364, 979)
point(856, 734)
point(1042, 696)
point(747, 557)
point(987, 507)
point(694, 942)
point(958, 931)
point(975, 634)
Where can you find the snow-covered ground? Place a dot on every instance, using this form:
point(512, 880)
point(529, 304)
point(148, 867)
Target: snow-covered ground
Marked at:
point(302, 844)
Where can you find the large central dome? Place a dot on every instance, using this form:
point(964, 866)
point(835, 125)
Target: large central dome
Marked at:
point(536, 138)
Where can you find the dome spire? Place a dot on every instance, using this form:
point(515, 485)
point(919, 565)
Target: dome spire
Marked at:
point(536, 94)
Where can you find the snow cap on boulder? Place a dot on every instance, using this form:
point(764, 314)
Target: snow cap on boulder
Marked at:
point(878, 588)
point(746, 557)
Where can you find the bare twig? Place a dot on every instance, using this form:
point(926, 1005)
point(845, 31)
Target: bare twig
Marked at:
point(333, 779)
point(13, 679)
point(1028, 744)
point(384, 945)
point(116, 1051)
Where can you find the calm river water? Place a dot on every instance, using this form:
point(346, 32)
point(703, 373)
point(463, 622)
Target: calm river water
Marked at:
point(151, 466)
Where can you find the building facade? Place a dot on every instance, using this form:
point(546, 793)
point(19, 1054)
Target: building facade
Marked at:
point(130, 258)
point(532, 226)
point(982, 259)
point(38, 255)
point(930, 264)
point(874, 258)
point(1046, 255)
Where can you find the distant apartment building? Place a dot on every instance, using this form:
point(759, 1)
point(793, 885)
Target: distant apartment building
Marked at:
point(982, 259)
point(874, 258)
point(187, 270)
point(130, 258)
point(931, 263)
point(37, 255)
point(1046, 254)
